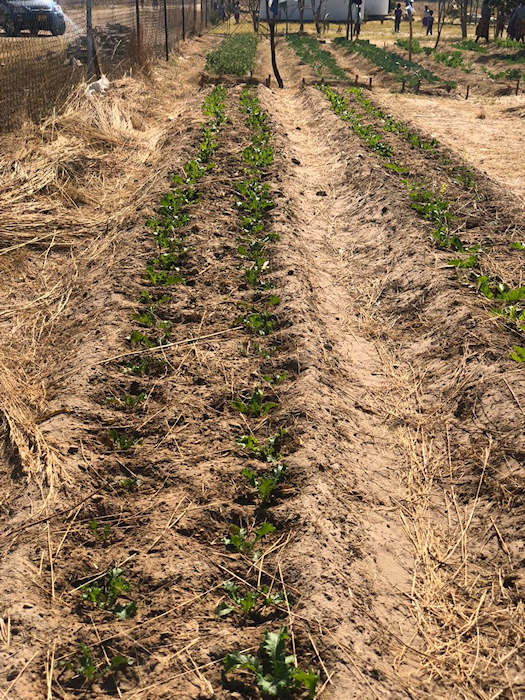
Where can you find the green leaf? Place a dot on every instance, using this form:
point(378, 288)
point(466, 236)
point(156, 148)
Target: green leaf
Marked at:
point(266, 486)
point(248, 602)
point(265, 529)
point(268, 686)
point(514, 295)
point(240, 660)
point(118, 662)
point(308, 680)
point(224, 609)
point(518, 354)
point(274, 648)
point(250, 476)
point(86, 665)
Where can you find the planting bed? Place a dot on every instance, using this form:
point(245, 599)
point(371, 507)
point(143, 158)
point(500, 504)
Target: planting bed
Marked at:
point(263, 396)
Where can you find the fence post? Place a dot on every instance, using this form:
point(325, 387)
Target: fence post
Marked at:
point(166, 35)
point(89, 39)
point(139, 43)
point(194, 17)
point(183, 22)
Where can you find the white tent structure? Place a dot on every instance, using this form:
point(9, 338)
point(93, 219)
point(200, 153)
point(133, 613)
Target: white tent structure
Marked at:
point(333, 10)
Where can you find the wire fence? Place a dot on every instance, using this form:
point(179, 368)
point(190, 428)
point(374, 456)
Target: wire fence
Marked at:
point(45, 51)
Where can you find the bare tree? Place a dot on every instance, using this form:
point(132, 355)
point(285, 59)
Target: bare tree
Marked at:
point(271, 23)
point(253, 9)
point(300, 5)
point(444, 7)
point(317, 8)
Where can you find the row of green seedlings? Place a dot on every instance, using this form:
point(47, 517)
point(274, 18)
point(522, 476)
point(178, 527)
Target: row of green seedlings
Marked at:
point(111, 591)
point(471, 45)
point(436, 209)
point(308, 49)
point(275, 672)
point(323, 63)
point(391, 62)
point(235, 55)
point(452, 59)
point(455, 59)
point(461, 174)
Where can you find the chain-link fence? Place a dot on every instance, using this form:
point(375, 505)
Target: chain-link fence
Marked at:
point(45, 49)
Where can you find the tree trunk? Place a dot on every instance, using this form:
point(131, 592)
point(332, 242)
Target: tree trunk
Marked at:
point(348, 18)
point(300, 4)
point(271, 24)
point(442, 14)
point(463, 11)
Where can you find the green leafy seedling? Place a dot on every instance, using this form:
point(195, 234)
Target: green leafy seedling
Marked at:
point(276, 674)
point(276, 379)
point(249, 603)
point(255, 405)
point(471, 261)
point(128, 483)
point(267, 453)
point(238, 539)
point(266, 483)
point(105, 594)
point(84, 664)
point(258, 323)
point(99, 533)
point(121, 441)
point(132, 400)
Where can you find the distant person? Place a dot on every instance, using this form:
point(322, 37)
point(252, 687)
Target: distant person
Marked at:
point(500, 24)
point(409, 10)
point(357, 27)
point(426, 13)
point(482, 30)
point(398, 16)
point(430, 21)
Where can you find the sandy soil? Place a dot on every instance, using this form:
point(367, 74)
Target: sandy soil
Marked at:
point(489, 133)
point(399, 536)
point(486, 131)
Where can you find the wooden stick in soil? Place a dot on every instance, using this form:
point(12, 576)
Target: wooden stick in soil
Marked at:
point(168, 345)
point(290, 622)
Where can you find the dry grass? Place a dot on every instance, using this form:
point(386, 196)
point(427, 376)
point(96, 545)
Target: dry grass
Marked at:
point(70, 188)
point(469, 617)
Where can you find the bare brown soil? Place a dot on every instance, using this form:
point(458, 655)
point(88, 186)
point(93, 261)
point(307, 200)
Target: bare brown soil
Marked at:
point(399, 535)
